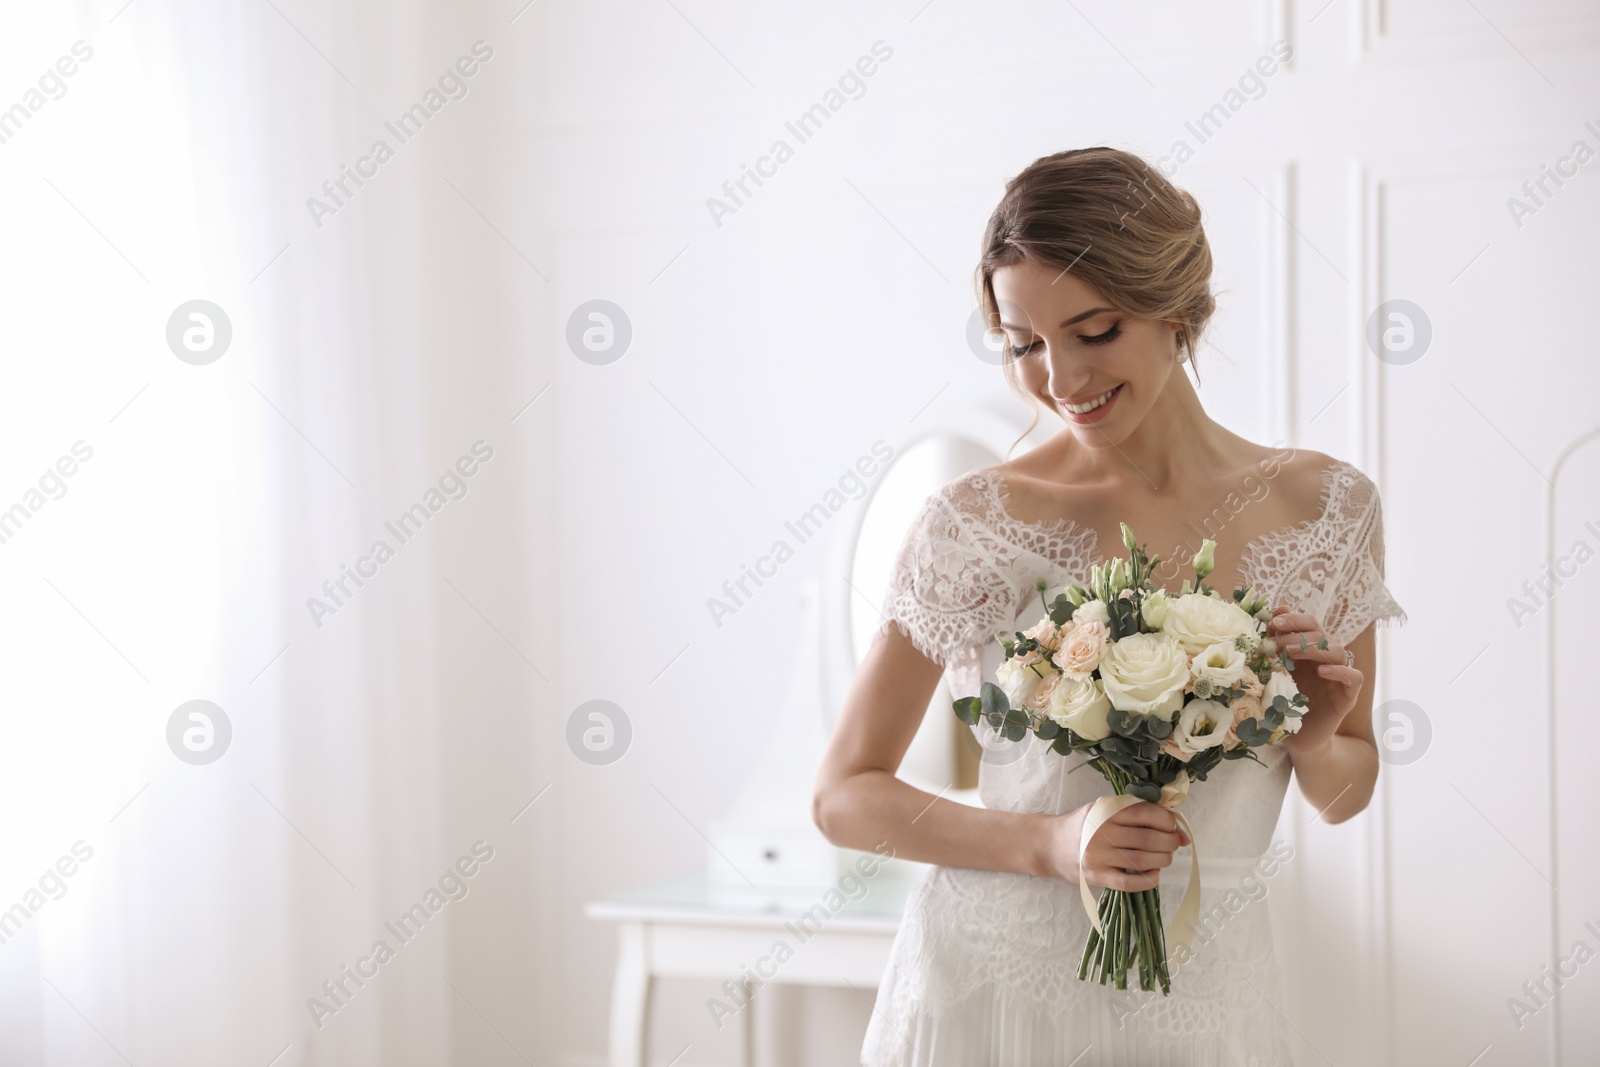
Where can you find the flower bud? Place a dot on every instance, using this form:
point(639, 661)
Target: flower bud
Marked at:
point(1154, 609)
point(1203, 559)
point(1128, 541)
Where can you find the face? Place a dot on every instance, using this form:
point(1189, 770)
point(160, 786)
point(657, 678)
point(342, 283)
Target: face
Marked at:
point(1100, 369)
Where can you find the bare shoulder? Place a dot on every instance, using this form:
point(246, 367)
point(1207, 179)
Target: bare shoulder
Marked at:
point(1302, 475)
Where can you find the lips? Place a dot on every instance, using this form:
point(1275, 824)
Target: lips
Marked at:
point(1094, 409)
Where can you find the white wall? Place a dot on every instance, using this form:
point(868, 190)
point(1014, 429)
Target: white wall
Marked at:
point(768, 353)
point(829, 310)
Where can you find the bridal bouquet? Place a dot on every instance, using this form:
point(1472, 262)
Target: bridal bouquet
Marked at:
point(1155, 691)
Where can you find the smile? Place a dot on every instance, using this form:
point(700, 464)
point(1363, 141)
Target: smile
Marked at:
point(1085, 408)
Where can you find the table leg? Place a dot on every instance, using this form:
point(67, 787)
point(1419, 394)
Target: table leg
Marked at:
point(630, 998)
point(747, 1026)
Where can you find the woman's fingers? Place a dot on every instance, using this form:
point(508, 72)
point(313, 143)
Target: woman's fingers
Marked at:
point(1133, 859)
point(1117, 878)
point(1304, 647)
point(1153, 816)
point(1289, 621)
point(1347, 676)
point(1144, 838)
point(1145, 813)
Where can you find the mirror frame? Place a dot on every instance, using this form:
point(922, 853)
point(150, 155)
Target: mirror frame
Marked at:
point(983, 424)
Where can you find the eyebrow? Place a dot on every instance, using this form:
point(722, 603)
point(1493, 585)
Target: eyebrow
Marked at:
point(1079, 317)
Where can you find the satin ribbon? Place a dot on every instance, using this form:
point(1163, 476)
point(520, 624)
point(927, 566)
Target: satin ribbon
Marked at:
point(1180, 932)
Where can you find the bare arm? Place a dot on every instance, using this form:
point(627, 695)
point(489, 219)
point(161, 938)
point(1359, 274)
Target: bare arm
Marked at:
point(1338, 773)
point(859, 803)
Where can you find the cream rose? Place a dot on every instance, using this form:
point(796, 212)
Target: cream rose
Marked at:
point(1080, 707)
point(1146, 673)
point(1082, 649)
point(1045, 632)
point(1199, 620)
point(1021, 676)
point(1204, 724)
point(1220, 664)
point(1246, 707)
point(1176, 792)
point(1092, 611)
point(1039, 699)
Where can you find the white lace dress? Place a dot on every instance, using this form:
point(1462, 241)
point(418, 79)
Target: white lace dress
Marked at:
point(983, 972)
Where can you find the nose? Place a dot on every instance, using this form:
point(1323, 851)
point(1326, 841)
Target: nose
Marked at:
point(1067, 377)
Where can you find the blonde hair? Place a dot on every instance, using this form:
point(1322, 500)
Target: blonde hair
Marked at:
point(1117, 223)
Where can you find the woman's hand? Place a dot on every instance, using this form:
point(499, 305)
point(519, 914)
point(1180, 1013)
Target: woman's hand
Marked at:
point(1319, 673)
point(1140, 838)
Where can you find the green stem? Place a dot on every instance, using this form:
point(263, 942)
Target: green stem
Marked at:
point(1140, 932)
point(1091, 947)
point(1148, 962)
point(1124, 952)
point(1113, 940)
point(1161, 943)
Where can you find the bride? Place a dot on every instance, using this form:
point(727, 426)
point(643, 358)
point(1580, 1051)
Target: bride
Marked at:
point(1097, 270)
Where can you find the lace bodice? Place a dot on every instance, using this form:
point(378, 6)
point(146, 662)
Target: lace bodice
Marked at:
point(967, 569)
point(985, 950)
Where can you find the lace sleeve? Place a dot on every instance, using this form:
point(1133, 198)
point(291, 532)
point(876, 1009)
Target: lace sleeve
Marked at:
point(1358, 595)
point(951, 591)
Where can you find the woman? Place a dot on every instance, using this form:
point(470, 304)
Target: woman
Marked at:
point(1097, 271)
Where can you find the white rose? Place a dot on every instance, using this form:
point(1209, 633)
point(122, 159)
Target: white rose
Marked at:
point(1092, 611)
point(1081, 707)
point(1199, 621)
point(1020, 676)
point(1146, 673)
point(1281, 683)
point(1154, 609)
point(1222, 664)
point(1203, 724)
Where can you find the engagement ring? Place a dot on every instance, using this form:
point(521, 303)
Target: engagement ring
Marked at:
point(1349, 658)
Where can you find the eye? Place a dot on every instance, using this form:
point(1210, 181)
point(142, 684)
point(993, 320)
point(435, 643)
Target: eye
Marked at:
point(1013, 352)
point(1104, 338)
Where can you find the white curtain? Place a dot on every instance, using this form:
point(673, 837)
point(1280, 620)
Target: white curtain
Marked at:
point(208, 903)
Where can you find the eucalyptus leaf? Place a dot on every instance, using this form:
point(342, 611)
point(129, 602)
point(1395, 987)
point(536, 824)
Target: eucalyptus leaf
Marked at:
point(1144, 791)
point(994, 698)
point(1124, 723)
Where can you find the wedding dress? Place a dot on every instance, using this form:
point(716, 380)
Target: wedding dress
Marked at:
point(984, 968)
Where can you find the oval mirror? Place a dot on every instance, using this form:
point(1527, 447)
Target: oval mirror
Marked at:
point(864, 566)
